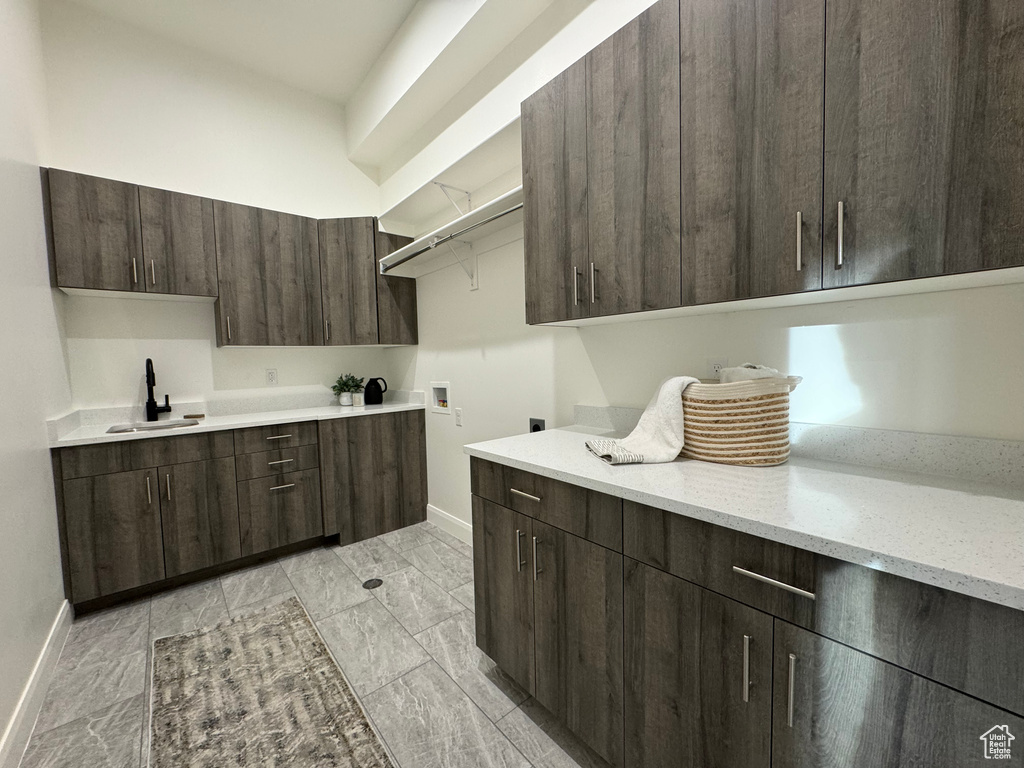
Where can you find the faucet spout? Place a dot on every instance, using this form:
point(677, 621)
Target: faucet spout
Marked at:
point(153, 410)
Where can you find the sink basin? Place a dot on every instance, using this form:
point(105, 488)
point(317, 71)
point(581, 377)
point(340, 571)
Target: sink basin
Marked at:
point(151, 426)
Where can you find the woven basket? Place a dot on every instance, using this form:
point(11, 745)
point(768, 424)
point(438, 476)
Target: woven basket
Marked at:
point(746, 422)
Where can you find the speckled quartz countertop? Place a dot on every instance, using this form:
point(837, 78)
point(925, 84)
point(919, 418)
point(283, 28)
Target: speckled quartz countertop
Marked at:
point(93, 434)
point(963, 536)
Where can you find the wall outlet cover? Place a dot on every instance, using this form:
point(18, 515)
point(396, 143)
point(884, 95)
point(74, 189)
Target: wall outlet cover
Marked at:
point(272, 376)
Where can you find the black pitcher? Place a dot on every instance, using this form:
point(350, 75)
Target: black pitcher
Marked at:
point(374, 393)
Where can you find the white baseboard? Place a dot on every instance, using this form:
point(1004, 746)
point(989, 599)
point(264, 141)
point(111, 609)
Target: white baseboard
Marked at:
point(19, 729)
point(454, 525)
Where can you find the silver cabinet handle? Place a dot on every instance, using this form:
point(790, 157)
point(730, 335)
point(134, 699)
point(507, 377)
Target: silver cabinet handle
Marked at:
point(773, 582)
point(519, 551)
point(746, 668)
point(839, 238)
point(279, 461)
point(799, 241)
point(168, 486)
point(576, 286)
point(529, 496)
point(536, 570)
point(792, 689)
point(278, 437)
point(149, 492)
point(282, 487)
point(593, 283)
point(229, 327)
point(152, 270)
point(135, 272)
point(327, 331)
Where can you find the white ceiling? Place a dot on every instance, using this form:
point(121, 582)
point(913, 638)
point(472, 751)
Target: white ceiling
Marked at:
point(322, 46)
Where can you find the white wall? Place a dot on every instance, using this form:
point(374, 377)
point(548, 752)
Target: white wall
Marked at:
point(945, 363)
point(35, 383)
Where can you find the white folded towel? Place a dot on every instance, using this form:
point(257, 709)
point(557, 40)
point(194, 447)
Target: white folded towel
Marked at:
point(658, 437)
point(748, 372)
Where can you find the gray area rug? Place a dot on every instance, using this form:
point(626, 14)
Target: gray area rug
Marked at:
point(261, 690)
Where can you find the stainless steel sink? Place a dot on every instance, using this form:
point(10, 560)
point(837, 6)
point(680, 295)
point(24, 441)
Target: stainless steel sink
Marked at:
point(151, 426)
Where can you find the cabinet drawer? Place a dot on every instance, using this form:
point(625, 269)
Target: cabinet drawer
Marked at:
point(180, 449)
point(594, 516)
point(279, 510)
point(276, 436)
point(90, 460)
point(252, 465)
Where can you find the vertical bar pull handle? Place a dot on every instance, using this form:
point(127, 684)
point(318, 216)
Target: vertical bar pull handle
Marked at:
point(152, 270)
point(792, 687)
point(168, 486)
point(149, 492)
point(135, 271)
point(799, 241)
point(576, 286)
point(327, 327)
point(839, 239)
point(519, 551)
point(229, 327)
point(746, 668)
point(593, 283)
point(536, 569)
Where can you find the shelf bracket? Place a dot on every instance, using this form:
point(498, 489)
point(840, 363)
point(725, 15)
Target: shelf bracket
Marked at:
point(469, 197)
point(469, 263)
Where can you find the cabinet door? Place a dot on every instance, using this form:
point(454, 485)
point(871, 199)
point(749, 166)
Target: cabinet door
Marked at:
point(751, 110)
point(633, 164)
point(396, 297)
point(114, 536)
point(924, 138)
point(178, 246)
point(199, 508)
point(699, 687)
point(578, 636)
point(555, 222)
point(834, 707)
point(503, 574)
point(374, 474)
point(268, 265)
point(347, 266)
point(97, 240)
point(279, 510)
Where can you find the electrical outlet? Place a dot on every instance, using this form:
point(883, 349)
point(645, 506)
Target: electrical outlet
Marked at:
point(458, 417)
point(272, 376)
point(715, 367)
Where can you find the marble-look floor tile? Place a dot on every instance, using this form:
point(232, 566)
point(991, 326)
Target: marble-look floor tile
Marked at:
point(441, 564)
point(327, 588)
point(407, 538)
point(307, 559)
point(545, 741)
point(254, 584)
point(371, 646)
point(263, 602)
point(430, 723)
point(371, 559)
point(453, 541)
point(466, 594)
point(93, 625)
point(199, 606)
point(452, 644)
point(107, 738)
point(110, 645)
point(416, 601)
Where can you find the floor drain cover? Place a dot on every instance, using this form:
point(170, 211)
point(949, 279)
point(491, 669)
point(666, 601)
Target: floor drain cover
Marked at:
point(372, 584)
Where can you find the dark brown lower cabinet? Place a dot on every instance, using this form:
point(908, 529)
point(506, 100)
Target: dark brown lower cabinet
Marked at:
point(835, 707)
point(578, 636)
point(698, 683)
point(113, 533)
point(374, 474)
point(278, 510)
point(503, 574)
point(199, 508)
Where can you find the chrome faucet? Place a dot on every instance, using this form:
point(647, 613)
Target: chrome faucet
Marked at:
point(153, 410)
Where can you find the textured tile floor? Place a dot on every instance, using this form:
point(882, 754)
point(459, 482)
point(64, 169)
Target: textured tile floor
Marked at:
point(407, 649)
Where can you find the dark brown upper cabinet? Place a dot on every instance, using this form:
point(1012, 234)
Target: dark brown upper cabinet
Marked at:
point(633, 165)
point(178, 248)
point(924, 138)
point(347, 266)
point(96, 232)
point(268, 265)
point(751, 145)
point(555, 224)
point(396, 297)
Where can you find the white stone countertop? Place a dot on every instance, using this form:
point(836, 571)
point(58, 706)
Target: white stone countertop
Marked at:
point(959, 535)
point(93, 434)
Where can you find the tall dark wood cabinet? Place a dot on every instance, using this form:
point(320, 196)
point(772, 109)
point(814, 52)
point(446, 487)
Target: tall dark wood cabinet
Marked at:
point(179, 253)
point(751, 145)
point(633, 165)
point(503, 573)
point(347, 267)
point(96, 232)
point(555, 221)
point(397, 321)
point(268, 265)
point(924, 138)
point(374, 473)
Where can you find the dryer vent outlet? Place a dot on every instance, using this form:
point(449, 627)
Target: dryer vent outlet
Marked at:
point(536, 425)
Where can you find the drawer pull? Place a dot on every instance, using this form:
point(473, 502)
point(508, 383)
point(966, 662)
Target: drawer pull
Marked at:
point(773, 582)
point(278, 437)
point(279, 461)
point(282, 487)
point(746, 668)
point(792, 689)
point(529, 496)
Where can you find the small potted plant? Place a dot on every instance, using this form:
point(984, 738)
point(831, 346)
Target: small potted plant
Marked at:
point(346, 386)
